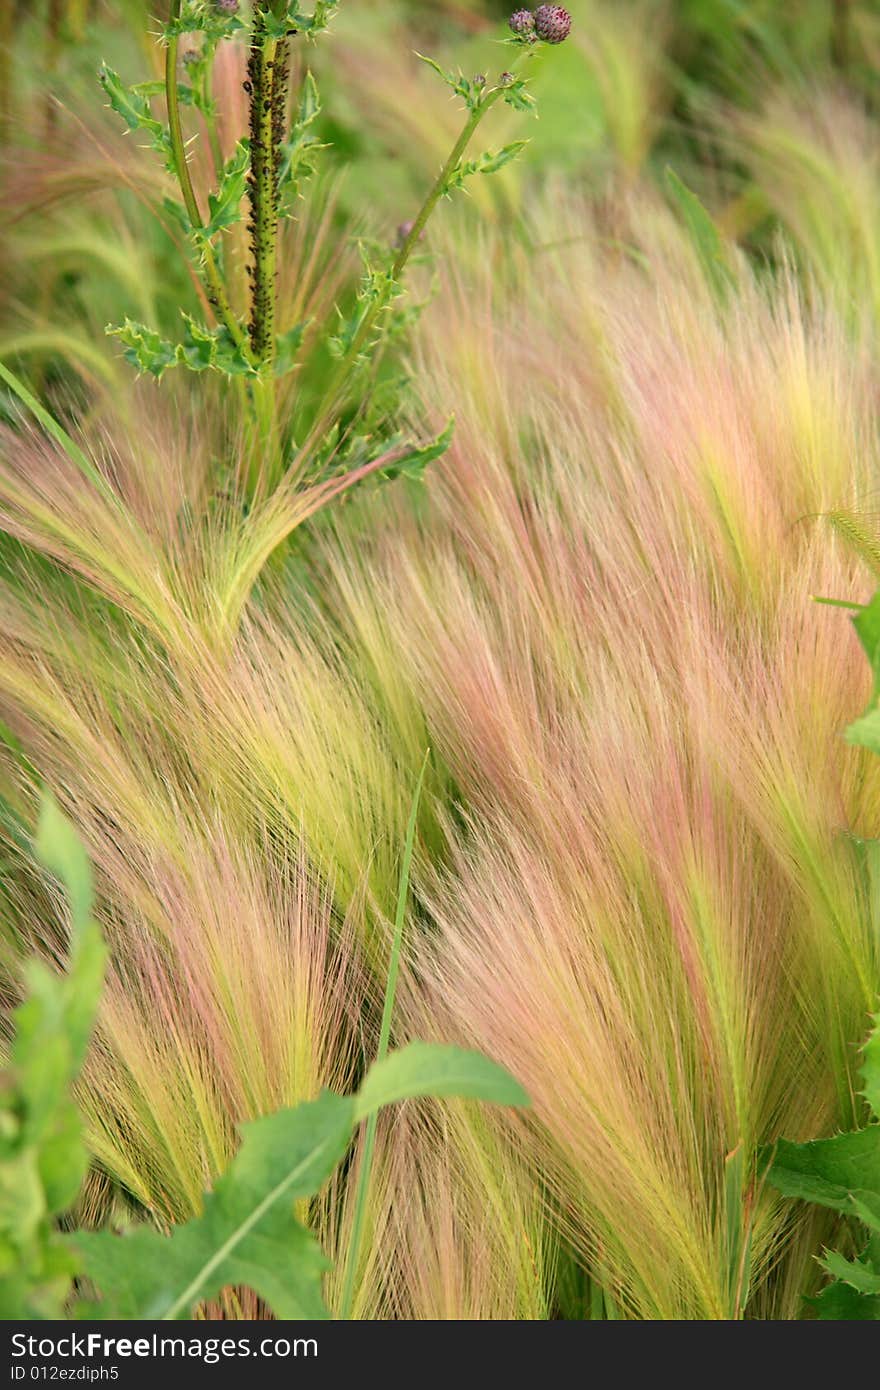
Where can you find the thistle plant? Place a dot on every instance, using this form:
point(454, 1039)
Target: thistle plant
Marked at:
point(269, 168)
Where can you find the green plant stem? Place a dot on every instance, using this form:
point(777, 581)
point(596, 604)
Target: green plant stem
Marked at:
point(264, 203)
point(363, 1184)
point(267, 75)
point(341, 377)
point(217, 296)
point(209, 114)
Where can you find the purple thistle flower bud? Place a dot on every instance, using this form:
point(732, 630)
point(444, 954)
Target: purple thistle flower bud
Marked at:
point(522, 22)
point(552, 23)
point(227, 6)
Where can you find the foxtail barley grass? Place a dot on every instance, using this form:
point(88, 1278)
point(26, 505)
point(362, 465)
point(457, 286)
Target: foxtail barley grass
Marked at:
point(633, 882)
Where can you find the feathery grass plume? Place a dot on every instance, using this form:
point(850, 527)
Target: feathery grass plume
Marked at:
point(625, 50)
point(814, 158)
point(650, 915)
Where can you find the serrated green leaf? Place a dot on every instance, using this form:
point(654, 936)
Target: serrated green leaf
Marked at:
point(204, 348)
point(309, 102)
point(143, 348)
point(518, 96)
point(413, 463)
point(247, 1233)
point(860, 1276)
point(224, 206)
point(457, 82)
point(134, 108)
point(296, 154)
point(828, 1171)
point(432, 1069)
point(287, 346)
point(487, 163)
point(866, 1206)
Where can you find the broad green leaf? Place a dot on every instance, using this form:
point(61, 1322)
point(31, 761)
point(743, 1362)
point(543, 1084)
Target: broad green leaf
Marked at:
point(867, 625)
point(704, 234)
point(840, 1303)
point(828, 1171)
point(61, 850)
point(247, 1233)
point(42, 1156)
point(865, 732)
point(866, 1206)
point(431, 1069)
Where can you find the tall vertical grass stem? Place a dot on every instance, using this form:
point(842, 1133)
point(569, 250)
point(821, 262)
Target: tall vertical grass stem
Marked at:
point(363, 1186)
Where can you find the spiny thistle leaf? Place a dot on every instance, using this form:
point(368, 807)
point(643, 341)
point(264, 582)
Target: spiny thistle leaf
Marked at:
point(196, 17)
point(297, 153)
point(134, 107)
point(202, 349)
point(519, 97)
point(376, 290)
point(829, 1171)
point(842, 1173)
point(487, 163)
point(470, 92)
point(413, 463)
point(144, 348)
point(860, 1276)
point(281, 19)
point(224, 206)
point(247, 1233)
point(287, 346)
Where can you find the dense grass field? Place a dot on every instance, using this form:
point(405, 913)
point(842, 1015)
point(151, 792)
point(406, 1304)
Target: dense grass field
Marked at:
point(414, 683)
